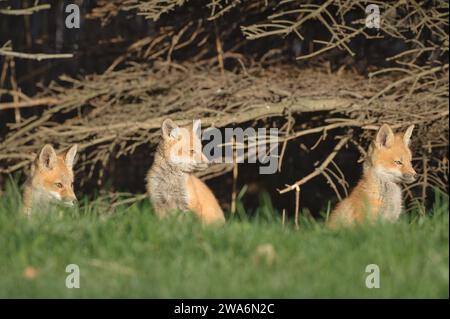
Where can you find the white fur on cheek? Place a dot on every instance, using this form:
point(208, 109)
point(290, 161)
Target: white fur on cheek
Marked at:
point(388, 175)
point(55, 195)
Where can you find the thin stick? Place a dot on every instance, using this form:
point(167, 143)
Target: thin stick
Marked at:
point(424, 181)
point(219, 50)
point(12, 77)
point(3, 74)
point(25, 104)
point(235, 176)
point(131, 200)
point(320, 169)
point(25, 11)
point(288, 129)
point(35, 56)
point(297, 206)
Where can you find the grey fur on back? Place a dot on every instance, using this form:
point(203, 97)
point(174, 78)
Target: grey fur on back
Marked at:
point(166, 185)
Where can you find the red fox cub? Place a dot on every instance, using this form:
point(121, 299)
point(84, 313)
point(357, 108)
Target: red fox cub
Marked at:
point(378, 194)
point(50, 180)
point(170, 182)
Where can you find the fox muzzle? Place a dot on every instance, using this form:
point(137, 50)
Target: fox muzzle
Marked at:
point(409, 177)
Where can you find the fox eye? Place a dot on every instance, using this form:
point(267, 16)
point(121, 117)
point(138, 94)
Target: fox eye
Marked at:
point(59, 185)
point(398, 162)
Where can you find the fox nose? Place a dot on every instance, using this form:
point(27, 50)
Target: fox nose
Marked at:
point(410, 177)
point(71, 200)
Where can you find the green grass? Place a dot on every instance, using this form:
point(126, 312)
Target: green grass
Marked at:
point(131, 254)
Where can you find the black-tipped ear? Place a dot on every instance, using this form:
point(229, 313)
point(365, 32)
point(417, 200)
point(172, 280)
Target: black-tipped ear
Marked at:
point(69, 157)
point(407, 135)
point(385, 136)
point(169, 129)
point(47, 157)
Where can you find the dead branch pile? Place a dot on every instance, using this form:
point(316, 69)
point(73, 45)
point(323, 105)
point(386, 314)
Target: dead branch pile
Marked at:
point(117, 112)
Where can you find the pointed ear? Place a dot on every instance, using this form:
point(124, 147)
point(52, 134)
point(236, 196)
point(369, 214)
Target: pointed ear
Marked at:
point(407, 135)
point(69, 157)
point(385, 136)
point(169, 129)
point(47, 157)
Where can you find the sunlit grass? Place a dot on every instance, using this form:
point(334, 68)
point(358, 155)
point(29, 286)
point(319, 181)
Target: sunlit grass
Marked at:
point(133, 254)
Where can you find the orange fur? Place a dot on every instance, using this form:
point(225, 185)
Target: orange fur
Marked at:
point(378, 194)
point(51, 179)
point(202, 201)
point(171, 184)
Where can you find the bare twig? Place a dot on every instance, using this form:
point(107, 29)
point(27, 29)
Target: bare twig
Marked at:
point(318, 170)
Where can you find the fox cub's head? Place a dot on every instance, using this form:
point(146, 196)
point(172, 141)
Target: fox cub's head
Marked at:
point(391, 157)
point(52, 174)
point(182, 147)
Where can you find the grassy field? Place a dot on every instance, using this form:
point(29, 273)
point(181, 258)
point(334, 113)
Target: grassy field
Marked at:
point(130, 254)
